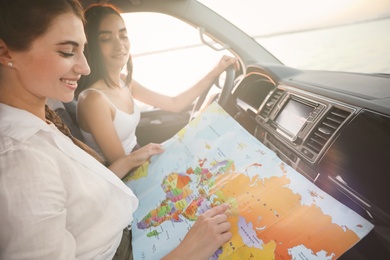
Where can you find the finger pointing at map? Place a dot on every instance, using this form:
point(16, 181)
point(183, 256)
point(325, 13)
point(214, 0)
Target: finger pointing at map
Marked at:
point(210, 230)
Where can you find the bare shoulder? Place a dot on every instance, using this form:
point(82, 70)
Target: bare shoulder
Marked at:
point(91, 98)
point(134, 84)
point(90, 101)
point(92, 107)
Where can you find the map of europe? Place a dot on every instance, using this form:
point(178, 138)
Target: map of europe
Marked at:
point(275, 212)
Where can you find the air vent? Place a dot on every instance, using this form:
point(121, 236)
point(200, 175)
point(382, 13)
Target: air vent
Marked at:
point(328, 125)
point(271, 102)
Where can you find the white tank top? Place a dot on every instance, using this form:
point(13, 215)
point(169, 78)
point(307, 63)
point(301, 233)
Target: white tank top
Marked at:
point(125, 125)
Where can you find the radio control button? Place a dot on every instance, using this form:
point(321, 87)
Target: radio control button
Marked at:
point(307, 153)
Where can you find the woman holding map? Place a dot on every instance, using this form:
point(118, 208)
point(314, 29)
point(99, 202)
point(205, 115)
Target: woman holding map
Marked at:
point(57, 201)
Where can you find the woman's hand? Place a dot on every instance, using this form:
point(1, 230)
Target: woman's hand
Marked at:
point(223, 63)
point(124, 165)
point(209, 232)
point(141, 155)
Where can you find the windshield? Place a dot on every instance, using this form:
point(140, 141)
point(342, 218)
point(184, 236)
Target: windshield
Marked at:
point(343, 35)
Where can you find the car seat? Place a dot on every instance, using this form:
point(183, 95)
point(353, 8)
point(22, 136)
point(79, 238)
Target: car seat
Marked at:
point(67, 113)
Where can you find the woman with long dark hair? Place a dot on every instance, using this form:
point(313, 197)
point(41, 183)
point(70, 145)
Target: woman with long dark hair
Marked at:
point(107, 110)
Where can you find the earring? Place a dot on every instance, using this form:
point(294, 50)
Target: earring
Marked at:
point(10, 64)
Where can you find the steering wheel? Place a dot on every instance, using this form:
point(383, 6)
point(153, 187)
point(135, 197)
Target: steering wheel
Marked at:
point(223, 97)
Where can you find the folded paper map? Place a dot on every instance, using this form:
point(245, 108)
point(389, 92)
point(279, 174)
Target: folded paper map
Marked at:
point(275, 212)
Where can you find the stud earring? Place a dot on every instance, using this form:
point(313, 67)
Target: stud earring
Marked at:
point(10, 64)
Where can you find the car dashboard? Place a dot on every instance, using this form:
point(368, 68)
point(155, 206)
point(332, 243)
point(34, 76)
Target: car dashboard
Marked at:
point(333, 128)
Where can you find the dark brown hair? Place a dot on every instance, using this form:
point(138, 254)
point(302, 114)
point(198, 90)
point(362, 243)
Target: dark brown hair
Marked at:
point(94, 14)
point(22, 21)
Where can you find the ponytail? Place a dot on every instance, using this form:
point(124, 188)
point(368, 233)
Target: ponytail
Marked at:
point(56, 120)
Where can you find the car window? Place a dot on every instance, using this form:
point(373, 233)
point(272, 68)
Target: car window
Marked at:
point(167, 53)
point(336, 35)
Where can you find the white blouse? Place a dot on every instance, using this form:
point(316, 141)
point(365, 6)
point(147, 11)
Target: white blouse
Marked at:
point(56, 201)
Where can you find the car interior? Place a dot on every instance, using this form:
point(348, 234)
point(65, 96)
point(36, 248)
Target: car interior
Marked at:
point(332, 127)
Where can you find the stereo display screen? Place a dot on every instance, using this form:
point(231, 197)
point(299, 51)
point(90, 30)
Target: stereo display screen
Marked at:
point(293, 116)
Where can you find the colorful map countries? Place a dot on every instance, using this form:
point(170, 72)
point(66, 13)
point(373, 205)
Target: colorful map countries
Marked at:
point(275, 212)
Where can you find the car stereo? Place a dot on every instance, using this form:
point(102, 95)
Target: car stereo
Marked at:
point(293, 115)
point(299, 125)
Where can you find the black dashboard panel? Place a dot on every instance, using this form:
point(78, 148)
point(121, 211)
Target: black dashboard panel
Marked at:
point(359, 159)
point(253, 97)
point(333, 128)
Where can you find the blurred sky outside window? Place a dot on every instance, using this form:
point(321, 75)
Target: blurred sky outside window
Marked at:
point(349, 35)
